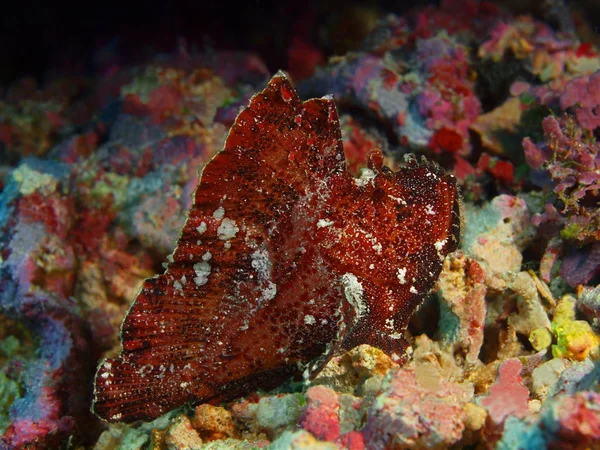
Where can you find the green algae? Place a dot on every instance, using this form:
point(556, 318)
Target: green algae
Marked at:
point(142, 85)
point(125, 437)
point(279, 412)
point(574, 338)
point(10, 389)
point(449, 326)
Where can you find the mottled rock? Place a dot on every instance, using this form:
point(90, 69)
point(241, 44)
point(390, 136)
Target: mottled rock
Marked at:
point(462, 290)
point(409, 415)
point(181, 435)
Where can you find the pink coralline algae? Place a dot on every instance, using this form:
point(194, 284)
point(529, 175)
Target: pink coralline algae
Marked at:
point(576, 95)
point(574, 420)
point(411, 414)
point(448, 100)
point(321, 415)
point(566, 421)
point(433, 106)
point(508, 396)
point(583, 95)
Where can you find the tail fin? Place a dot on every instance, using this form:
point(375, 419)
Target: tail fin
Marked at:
point(125, 393)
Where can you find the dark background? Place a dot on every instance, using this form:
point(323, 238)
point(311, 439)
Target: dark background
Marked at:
point(78, 37)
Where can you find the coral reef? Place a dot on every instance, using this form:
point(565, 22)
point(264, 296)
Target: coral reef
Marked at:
point(433, 105)
point(79, 232)
point(98, 172)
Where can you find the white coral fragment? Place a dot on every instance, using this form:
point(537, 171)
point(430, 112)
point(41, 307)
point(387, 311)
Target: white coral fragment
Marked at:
point(227, 230)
